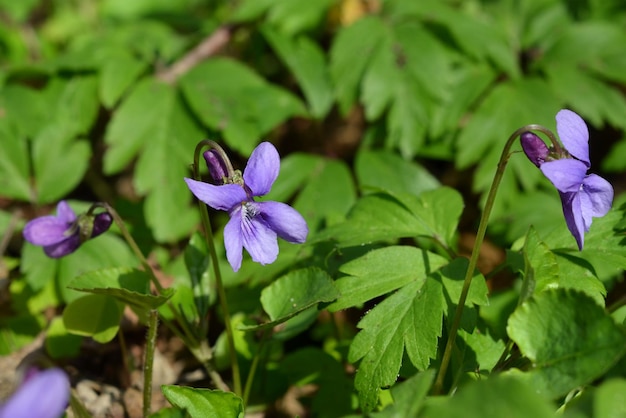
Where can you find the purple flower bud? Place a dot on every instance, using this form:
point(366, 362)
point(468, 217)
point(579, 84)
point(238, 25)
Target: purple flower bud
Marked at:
point(535, 149)
point(101, 224)
point(217, 168)
point(62, 234)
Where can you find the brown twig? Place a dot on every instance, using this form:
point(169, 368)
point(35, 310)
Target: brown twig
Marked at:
point(208, 47)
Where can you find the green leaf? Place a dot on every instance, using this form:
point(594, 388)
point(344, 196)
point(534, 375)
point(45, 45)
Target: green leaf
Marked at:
point(312, 365)
point(352, 50)
point(204, 403)
point(382, 271)
point(14, 164)
point(383, 216)
point(328, 193)
point(26, 109)
point(60, 343)
point(495, 397)
point(18, 331)
point(229, 97)
point(387, 171)
point(409, 319)
point(117, 74)
point(127, 285)
point(609, 399)
point(296, 292)
point(56, 155)
point(96, 316)
point(307, 63)
point(197, 262)
point(452, 277)
point(75, 103)
point(541, 270)
point(408, 396)
point(569, 339)
point(153, 123)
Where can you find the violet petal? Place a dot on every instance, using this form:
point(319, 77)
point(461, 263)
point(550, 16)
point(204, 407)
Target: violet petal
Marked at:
point(535, 149)
point(65, 212)
point(574, 134)
point(233, 241)
point(262, 169)
point(63, 248)
point(45, 230)
point(596, 198)
point(573, 216)
point(44, 395)
point(223, 197)
point(284, 220)
point(258, 239)
point(566, 175)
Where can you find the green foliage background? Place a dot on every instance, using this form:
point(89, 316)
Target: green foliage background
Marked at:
point(380, 109)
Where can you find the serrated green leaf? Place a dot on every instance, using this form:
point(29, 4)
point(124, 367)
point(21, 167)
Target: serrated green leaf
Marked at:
point(594, 99)
point(568, 337)
point(117, 74)
point(614, 161)
point(388, 171)
point(409, 319)
point(204, 403)
point(296, 292)
point(307, 63)
point(228, 96)
point(96, 316)
point(382, 271)
point(382, 216)
point(153, 123)
point(353, 49)
point(127, 285)
point(507, 107)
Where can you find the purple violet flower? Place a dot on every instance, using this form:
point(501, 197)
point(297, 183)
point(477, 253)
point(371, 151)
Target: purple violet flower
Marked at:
point(62, 234)
point(253, 225)
point(583, 196)
point(42, 394)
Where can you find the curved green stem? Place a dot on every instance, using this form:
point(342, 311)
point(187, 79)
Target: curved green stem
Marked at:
point(480, 235)
point(204, 213)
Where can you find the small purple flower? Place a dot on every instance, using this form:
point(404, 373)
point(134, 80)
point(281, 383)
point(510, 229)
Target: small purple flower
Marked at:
point(62, 234)
point(583, 196)
point(43, 394)
point(253, 225)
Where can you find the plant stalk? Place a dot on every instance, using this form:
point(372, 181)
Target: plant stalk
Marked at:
point(153, 322)
point(204, 214)
point(480, 235)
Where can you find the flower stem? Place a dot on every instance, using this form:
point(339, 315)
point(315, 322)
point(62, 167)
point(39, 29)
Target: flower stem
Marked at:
point(480, 235)
point(153, 322)
point(204, 214)
point(255, 363)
